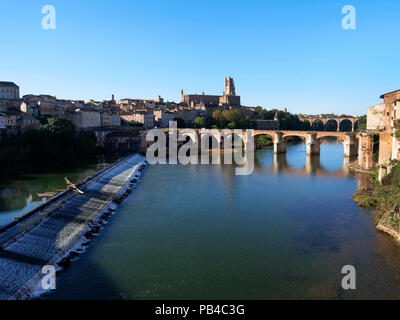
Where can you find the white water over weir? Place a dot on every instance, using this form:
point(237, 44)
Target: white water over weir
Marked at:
point(48, 234)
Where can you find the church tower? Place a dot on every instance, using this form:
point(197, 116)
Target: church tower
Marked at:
point(229, 87)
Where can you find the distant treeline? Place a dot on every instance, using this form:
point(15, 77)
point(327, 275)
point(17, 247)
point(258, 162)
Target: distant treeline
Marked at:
point(55, 146)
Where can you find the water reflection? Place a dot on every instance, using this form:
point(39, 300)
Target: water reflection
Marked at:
point(20, 195)
point(312, 166)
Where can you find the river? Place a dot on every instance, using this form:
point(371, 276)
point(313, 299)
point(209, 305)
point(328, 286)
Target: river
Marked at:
point(201, 232)
point(25, 193)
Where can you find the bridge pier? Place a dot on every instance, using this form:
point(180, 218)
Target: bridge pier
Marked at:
point(350, 147)
point(365, 151)
point(279, 146)
point(313, 145)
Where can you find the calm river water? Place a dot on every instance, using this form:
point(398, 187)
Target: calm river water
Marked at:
point(200, 232)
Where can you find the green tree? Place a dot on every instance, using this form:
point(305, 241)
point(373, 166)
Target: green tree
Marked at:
point(331, 125)
point(60, 126)
point(318, 125)
point(234, 119)
point(218, 119)
point(199, 123)
point(264, 113)
point(362, 124)
point(180, 122)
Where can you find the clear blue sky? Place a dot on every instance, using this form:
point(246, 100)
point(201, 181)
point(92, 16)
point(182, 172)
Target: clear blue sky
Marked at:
point(291, 54)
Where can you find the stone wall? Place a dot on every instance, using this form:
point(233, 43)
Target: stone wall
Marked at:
point(385, 148)
point(376, 117)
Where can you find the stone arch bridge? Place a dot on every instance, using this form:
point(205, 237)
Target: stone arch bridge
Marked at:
point(338, 121)
point(313, 139)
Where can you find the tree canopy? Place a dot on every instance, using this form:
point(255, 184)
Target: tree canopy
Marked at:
point(231, 119)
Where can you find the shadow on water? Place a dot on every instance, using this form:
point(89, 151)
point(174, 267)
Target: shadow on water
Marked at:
point(102, 286)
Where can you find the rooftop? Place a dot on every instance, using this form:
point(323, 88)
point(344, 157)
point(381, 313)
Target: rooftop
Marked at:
point(8, 84)
point(383, 96)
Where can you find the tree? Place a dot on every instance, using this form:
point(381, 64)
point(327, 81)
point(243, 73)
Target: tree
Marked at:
point(218, 119)
point(267, 115)
point(199, 123)
point(56, 145)
point(180, 122)
point(362, 124)
point(288, 121)
point(331, 125)
point(60, 126)
point(318, 125)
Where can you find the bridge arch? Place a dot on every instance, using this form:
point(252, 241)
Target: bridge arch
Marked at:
point(346, 125)
point(270, 134)
point(316, 122)
point(355, 125)
point(330, 134)
point(332, 125)
point(318, 125)
point(297, 135)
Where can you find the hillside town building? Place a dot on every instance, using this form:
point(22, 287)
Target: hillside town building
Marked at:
point(376, 117)
point(20, 114)
point(382, 120)
point(9, 90)
point(144, 117)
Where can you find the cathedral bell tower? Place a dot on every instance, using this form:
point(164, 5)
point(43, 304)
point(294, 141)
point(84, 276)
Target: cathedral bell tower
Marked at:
point(229, 87)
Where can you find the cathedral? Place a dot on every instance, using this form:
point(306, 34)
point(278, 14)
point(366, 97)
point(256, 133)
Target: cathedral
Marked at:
point(228, 100)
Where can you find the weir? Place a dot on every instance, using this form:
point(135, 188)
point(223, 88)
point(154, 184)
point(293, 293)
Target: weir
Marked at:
point(47, 234)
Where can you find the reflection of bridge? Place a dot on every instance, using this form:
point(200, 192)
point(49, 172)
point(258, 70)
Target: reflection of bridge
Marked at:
point(312, 167)
point(338, 121)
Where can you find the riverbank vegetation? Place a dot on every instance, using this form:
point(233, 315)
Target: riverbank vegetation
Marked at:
point(55, 146)
point(383, 197)
point(264, 142)
point(362, 124)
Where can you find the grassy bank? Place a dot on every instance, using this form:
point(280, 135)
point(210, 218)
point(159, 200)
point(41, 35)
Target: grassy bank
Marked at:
point(384, 199)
